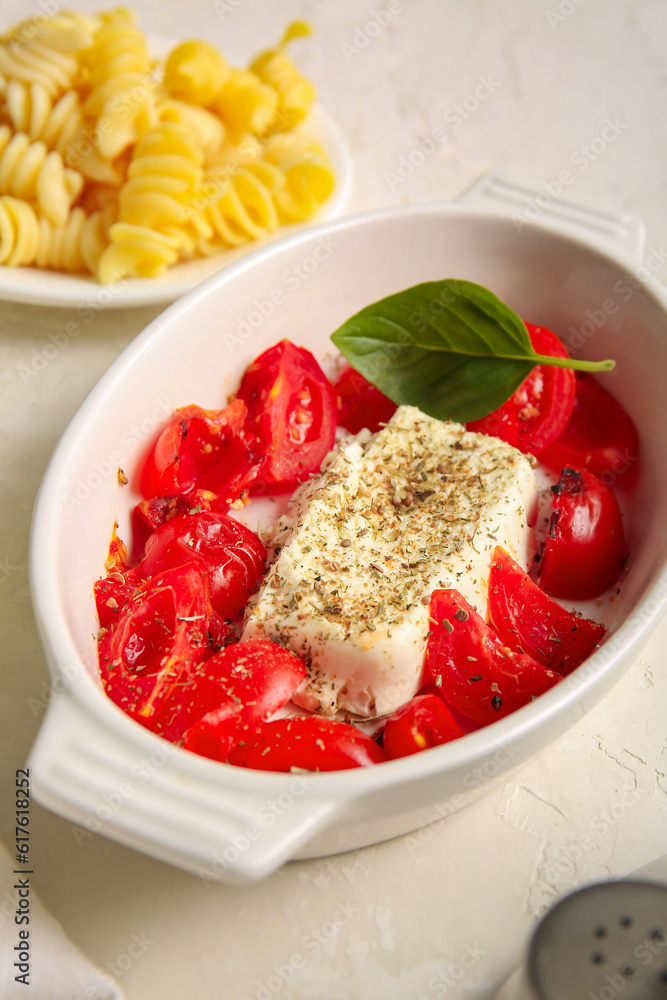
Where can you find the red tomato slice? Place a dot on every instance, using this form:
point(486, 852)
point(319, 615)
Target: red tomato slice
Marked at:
point(466, 725)
point(528, 621)
point(310, 742)
point(245, 684)
point(219, 632)
point(585, 544)
point(480, 677)
point(291, 414)
point(200, 449)
point(148, 515)
point(424, 722)
point(159, 638)
point(538, 411)
point(113, 593)
point(545, 399)
point(155, 511)
point(600, 436)
point(230, 554)
point(360, 403)
point(501, 423)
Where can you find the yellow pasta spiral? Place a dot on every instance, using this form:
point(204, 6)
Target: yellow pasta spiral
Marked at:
point(295, 92)
point(95, 236)
point(19, 232)
point(240, 208)
point(31, 109)
point(108, 167)
point(44, 50)
point(29, 171)
point(157, 218)
point(205, 128)
point(136, 251)
point(309, 179)
point(245, 104)
point(164, 172)
point(60, 126)
point(121, 86)
point(26, 237)
point(195, 72)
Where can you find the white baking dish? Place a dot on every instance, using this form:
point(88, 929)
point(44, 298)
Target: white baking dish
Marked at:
point(96, 766)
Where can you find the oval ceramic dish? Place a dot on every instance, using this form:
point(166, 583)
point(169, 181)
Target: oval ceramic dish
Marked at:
point(93, 764)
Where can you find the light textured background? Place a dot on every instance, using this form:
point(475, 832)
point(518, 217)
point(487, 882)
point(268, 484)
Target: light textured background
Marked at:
point(392, 919)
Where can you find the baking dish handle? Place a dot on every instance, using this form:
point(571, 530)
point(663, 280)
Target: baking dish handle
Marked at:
point(620, 234)
point(212, 820)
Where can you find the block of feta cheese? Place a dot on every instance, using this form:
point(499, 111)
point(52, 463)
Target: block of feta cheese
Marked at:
point(419, 506)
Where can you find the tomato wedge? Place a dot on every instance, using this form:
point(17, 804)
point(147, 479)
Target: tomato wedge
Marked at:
point(538, 411)
point(246, 683)
point(200, 449)
point(585, 546)
point(230, 554)
point(600, 436)
point(480, 677)
point(146, 660)
point(529, 621)
point(501, 423)
point(149, 514)
point(157, 510)
point(291, 421)
point(545, 399)
point(310, 742)
point(114, 591)
point(424, 722)
point(360, 403)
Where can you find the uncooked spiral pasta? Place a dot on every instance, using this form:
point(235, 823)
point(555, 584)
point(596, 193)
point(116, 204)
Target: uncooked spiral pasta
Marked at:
point(29, 171)
point(119, 165)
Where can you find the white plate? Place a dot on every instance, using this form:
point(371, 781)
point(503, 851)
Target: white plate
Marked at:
point(52, 288)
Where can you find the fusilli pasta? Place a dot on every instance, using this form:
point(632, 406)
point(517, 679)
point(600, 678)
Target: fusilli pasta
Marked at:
point(26, 237)
point(295, 92)
point(245, 104)
point(205, 128)
point(122, 89)
point(195, 72)
point(309, 179)
point(115, 165)
point(46, 53)
point(29, 171)
point(163, 176)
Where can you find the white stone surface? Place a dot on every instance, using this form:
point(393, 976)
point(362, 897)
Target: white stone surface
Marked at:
point(445, 912)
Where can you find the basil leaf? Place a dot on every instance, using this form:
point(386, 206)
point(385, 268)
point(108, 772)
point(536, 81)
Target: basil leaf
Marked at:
point(450, 347)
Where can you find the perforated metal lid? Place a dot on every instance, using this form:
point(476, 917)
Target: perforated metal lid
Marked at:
point(602, 942)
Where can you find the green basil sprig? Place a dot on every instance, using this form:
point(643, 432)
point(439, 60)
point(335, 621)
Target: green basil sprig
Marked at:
point(450, 347)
